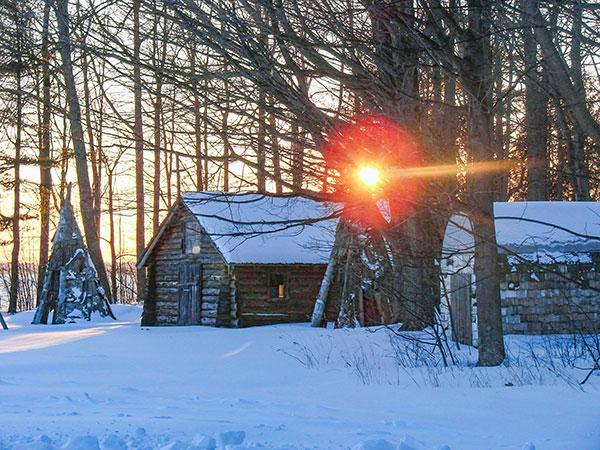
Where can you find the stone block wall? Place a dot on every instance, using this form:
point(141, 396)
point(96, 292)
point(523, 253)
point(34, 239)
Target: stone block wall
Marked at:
point(559, 299)
point(547, 302)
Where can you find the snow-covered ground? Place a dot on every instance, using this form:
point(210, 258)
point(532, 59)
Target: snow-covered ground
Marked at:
point(284, 386)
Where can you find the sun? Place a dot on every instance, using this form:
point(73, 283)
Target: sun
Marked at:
point(369, 176)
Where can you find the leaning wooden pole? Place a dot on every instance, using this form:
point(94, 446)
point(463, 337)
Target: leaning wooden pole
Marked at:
point(336, 253)
point(2, 322)
point(321, 300)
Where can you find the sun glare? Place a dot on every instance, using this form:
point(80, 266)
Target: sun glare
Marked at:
point(369, 176)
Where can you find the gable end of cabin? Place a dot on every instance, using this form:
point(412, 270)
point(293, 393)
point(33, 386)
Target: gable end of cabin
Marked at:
point(188, 279)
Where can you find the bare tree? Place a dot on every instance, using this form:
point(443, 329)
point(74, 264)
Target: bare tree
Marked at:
point(45, 151)
point(140, 241)
point(536, 105)
point(16, 235)
point(85, 192)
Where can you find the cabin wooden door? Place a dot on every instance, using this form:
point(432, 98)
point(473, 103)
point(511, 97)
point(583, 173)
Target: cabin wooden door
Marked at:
point(460, 308)
point(190, 293)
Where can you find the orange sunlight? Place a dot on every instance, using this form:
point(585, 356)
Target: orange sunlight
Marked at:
point(450, 169)
point(369, 176)
point(32, 341)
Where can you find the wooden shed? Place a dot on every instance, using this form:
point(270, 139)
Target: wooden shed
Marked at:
point(237, 260)
point(549, 265)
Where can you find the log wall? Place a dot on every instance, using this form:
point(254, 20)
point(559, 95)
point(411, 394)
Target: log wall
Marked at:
point(254, 303)
point(168, 255)
point(231, 295)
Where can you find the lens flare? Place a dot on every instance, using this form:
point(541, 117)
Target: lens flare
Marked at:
point(369, 176)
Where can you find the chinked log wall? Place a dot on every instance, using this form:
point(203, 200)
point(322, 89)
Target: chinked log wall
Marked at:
point(168, 255)
point(237, 295)
point(254, 305)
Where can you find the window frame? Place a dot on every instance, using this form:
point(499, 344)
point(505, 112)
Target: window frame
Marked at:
point(286, 289)
point(187, 232)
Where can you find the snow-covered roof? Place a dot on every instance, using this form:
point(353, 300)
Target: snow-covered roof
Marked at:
point(265, 229)
point(544, 232)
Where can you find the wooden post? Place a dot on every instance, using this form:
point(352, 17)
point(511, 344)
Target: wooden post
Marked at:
point(380, 310)
point(361, 306)
point(339, 245)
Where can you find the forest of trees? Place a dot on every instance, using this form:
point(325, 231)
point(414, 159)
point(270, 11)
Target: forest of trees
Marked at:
point(138, 101)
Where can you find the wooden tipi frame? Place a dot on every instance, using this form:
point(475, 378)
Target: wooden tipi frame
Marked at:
point(71, 288)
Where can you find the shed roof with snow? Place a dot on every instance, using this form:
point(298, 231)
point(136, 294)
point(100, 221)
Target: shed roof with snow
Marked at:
point(255, 228)
point(544, 232)
point(250, 228)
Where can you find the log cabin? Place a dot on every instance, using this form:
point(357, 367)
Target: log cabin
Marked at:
point(238, 260)
point(548, 264)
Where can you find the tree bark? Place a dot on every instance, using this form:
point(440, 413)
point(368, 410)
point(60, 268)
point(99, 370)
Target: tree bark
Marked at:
point(197, 126)
point(560, 80)
point(339, 245)
point(261, 157)
point(347, 315)
point(95, 160)
point(112, 242)
point(158, 104)
point(480, 143)
point(275, 153)
point(83, 179)
point(579, 162)
point(297, 156)
point(225, 135)
point(140, 241)
point(16, 235)
point(536, 106)
point(45, 159)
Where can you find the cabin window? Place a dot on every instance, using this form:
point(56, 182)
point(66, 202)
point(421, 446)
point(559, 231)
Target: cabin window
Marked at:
point(190, 239)
point(277, 286)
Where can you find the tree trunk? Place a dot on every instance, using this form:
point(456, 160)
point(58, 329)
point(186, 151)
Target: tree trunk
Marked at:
point(95, 160)
point(16, 235)
point(347, 315)
point(536, 106)
point(112, 242)
point(83, 179)
point(261, 145)
point(275, 153)
point(297, 156)
point(140, 241)
point(159, 59)
point(574, 142)
point(560, 80)
point(579, 168)
point(580, 165)
point(480, 143)
point(412, 283)
point(178, 171)
point(205, 136)
point(45, 159)
point(157, 136)
point(197, 123)
point(339, 245)
point(225, 127)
